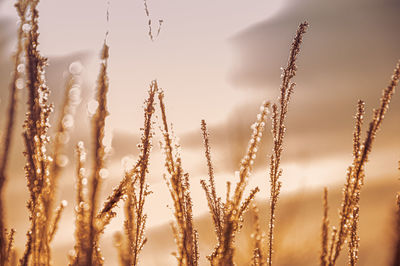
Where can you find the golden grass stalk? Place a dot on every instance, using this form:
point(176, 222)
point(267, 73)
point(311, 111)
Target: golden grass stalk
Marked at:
point(355, 174)
point(354, 242)
point(258, 258)
point(358, 127)
point(279, 129)
point(177, 181)
point(325, 231)
point(21, 7)
point(41, 172)
point(54, 225)
point(136, 218)
point(137, 188)
point(118, 193)
point(36, 137)
point(231, 218)
point(333, 237)
point(107, 212)
point(81, 211)
point(214, 203)
point(90, 224)
point(93, 250)
point(9, 253)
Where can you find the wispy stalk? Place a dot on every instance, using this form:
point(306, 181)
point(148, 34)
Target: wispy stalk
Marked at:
point(258, 258)
point(214, 203)
point(325, 231)
point(137, 189)
point(16, 83)
point(99, 155)
point(356, 174)
point(134, 187)
point(231, 218)
point(54, 225)
point(9, 254)
point(279, 129)
point(36, 138)
point(354, 242)
point(160, 22)
point(89, 223)
point(177, 181)
point(81, 211)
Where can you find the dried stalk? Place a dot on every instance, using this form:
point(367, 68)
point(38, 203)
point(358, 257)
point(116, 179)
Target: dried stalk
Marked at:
point(89, 224)
point(21, 7)
point(258, 258)
point(36, 138)
point(81, 211)
point(178, 184)
point(355, 174)
point(278, 131)
point(228, 216)
point(325, 231)
point(92, 252)
point(354, 242)
point(137, 188)
point(214, 203)
point(160, 22)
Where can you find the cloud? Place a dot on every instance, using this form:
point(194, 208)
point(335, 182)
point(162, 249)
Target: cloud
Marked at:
point(346, 43)
point(348, 54)
point(313, 132)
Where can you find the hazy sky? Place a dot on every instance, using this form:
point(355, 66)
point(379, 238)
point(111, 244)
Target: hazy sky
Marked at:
point(190, 59)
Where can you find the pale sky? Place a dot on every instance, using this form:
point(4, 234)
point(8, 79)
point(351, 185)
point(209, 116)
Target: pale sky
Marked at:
point(190, 59)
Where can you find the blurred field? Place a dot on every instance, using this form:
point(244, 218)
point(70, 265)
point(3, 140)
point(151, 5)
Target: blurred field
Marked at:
point(297, 231)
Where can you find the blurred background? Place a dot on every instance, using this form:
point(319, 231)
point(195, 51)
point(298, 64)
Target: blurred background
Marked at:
point(218, 61)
